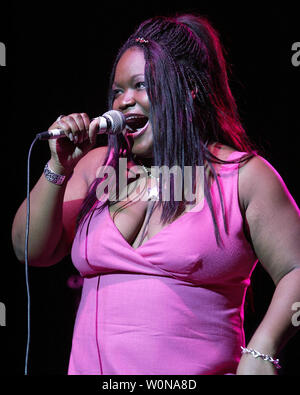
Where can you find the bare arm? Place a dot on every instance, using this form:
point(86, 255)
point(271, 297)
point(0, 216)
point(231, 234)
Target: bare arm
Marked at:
point(46, 223)
point(274, 224)
point(54, 208)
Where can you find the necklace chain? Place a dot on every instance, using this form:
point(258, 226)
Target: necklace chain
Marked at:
point(149, 173)
point(153, 191)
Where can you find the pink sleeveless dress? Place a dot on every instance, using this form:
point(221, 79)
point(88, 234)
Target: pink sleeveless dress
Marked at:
point(171, 306)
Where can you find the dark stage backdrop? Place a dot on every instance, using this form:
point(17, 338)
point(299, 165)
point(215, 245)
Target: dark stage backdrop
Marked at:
point(57, 62)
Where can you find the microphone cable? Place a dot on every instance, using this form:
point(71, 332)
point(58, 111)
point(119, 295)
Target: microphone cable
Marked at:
point(113, 121)
point(26, 255)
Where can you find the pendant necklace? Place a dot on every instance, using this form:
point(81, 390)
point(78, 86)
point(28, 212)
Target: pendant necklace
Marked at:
point(153, 189)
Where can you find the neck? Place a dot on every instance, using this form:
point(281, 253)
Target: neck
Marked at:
point(147, 162)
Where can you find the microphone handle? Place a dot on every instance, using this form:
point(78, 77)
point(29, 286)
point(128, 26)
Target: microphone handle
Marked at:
point(104, 127)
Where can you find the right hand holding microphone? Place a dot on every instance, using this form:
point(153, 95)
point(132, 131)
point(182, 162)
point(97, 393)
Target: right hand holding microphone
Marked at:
point(81, 137)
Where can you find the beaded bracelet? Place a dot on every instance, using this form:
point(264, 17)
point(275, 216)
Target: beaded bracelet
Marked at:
point(265, 357)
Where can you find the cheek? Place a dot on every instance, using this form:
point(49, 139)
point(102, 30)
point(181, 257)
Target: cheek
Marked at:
point(142, 100)
point(145, 102)
point(115, 105)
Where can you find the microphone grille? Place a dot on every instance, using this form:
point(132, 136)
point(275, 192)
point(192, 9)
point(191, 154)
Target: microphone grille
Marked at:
point(117, 121)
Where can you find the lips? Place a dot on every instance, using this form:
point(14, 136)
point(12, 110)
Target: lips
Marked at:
point(136, 124)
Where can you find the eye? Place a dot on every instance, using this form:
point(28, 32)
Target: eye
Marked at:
point(140, 85)
point(116, 92)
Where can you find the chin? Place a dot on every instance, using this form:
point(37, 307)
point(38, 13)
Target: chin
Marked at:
point(143, 146)
point(142, 151)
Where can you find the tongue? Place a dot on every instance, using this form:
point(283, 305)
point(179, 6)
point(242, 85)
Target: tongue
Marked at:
point(136, 121)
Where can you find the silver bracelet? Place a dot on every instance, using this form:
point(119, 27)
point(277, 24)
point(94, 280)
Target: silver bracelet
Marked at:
point(265, 357)
point(56, 179)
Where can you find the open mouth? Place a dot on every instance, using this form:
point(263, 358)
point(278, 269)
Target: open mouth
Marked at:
point(136, 124)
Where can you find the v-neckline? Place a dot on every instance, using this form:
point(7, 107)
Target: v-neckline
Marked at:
point(193, 210)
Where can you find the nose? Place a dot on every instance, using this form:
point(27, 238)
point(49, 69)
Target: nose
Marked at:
point(127, 100)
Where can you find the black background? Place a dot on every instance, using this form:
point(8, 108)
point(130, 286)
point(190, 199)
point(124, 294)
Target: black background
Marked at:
point(58, 62)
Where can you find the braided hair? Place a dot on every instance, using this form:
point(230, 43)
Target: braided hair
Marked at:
point(191, 104)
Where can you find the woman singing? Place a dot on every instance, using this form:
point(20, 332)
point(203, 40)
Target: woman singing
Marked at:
point(165, 278)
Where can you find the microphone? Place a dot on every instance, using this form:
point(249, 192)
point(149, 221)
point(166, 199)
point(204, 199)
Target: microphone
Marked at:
point(111, 122)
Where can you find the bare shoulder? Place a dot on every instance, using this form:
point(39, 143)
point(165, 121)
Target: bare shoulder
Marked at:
point(259, 179)
point(88, 165)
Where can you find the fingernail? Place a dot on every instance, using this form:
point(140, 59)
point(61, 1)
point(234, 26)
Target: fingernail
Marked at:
point(71, 136)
